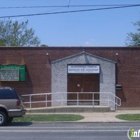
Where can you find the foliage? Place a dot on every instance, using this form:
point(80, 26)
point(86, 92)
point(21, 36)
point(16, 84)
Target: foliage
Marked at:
point(2, 43)
point(44, 45)
point(48, 117)
point(129, 117)
point(17, 34)
point(133, 39)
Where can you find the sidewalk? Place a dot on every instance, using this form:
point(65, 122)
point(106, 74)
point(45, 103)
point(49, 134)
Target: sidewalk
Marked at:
point(106, 116)
point(100, 116)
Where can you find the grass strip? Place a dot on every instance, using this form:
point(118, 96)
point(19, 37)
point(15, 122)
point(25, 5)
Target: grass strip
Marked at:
point(129, 117)
point(48, 118)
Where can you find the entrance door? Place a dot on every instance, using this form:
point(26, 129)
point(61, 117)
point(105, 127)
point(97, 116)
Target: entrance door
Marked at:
point(83, 83)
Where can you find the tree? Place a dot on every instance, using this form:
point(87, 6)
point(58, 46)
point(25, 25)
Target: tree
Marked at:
point(2, 43)
point(44, 45)
point(17, 34)
point(133, 39)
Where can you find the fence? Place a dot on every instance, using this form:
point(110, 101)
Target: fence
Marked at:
point(72, 99)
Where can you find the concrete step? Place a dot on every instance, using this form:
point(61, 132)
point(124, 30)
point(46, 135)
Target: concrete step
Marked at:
point(70, 109)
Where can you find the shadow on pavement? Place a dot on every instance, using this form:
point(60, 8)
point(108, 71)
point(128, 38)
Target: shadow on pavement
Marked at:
point(20, 124)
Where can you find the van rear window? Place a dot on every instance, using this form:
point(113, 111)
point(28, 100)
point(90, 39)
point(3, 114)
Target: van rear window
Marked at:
point(6, 94)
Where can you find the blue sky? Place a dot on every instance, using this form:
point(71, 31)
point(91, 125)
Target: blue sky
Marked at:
point(95, 28)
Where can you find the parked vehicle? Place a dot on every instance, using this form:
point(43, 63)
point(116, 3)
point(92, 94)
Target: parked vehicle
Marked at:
point(11, 105)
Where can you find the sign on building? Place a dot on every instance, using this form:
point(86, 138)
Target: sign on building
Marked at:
point(9, 75)
point(12, 72)
point(79, 69)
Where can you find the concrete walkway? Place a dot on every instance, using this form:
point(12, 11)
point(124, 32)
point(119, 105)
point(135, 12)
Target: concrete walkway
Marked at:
point(100, 116)
point(106, 116)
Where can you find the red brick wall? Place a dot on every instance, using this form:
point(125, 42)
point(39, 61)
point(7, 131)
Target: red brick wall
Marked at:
point(39, 69)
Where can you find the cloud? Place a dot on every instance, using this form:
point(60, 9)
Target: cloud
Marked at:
point(87, 43)
point(90, 42)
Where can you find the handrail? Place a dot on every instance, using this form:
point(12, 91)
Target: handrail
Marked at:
point(118, 99)
point(110, 99)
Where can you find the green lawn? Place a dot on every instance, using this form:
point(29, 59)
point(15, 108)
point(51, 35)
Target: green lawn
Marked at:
point(129, 117)
point(48, 118)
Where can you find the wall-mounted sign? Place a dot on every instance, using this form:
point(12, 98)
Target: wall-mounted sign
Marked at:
point(12, 73)
point(9, 75)
point(87, 69)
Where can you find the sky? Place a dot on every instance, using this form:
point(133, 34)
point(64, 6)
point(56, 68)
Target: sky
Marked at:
point(92, 28)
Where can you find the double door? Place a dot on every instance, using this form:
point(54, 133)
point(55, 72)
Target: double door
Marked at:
point(83, 84)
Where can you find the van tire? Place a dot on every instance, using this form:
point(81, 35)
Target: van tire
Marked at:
point(3, 118)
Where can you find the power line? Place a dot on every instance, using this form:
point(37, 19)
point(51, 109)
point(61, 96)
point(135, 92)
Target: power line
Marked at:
point(22, 7)
point(74, 11)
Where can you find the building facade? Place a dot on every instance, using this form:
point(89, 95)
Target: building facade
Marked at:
point(33, 70)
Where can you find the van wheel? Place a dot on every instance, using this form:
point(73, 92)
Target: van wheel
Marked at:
point(3, 118)
point(10, 119)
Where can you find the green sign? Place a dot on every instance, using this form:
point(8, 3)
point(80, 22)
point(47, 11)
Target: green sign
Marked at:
point(12, 72)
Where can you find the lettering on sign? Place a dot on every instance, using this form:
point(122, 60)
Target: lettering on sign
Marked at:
point(84, 69)
point(9, 75)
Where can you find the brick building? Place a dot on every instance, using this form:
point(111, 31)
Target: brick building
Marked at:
point(74, 69)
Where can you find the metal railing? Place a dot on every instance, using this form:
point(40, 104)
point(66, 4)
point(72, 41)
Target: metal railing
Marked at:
point(72, 98)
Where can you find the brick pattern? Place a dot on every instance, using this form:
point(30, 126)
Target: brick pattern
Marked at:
point(59, 75)
point(38, 68)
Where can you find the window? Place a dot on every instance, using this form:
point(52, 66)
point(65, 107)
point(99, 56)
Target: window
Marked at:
point(6, 94)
